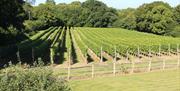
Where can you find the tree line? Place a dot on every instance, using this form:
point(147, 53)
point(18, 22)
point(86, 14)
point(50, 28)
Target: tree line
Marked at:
point(18, 17)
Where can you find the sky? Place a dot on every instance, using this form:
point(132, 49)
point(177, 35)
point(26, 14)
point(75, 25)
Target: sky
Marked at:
point(119, 4)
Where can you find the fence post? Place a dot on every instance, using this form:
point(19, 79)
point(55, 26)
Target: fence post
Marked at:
point(92, 69)
point(51, 56)
point(138, 51)
point(178, 61)
point(127, 54)
point(169, 49)
point(159, 49)
point(149, 66)
point(69, 65)
point(115, 54)
point(132, 66)
point(69, 72)
point(33, 54)
point(164, 64)
point(114, 68)
point(101, 55)
point(18, 55)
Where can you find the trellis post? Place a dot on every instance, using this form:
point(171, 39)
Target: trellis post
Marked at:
point(178, 61)
point(33, 54)
point(169, 49)
point(114, 62)
point(51, 56)
point(69, 72)
point(92, 69)
point(101, 55)
point(115, 54)
point(18, 55)
point(132, 66)
point(127, 54)
point(69, 64)
point(138, 51)
point(149, 66)
point(164, 63)
point(159, 49)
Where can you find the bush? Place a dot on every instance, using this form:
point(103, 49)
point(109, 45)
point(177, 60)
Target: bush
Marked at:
point(16, 78)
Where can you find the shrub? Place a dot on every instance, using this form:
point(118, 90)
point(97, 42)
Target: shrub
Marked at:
point(16, 78)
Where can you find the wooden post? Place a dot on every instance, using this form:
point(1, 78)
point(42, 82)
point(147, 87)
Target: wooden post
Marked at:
point(114, 68)
point(169, 49)
point(69, 72)
point(51, 56)
point(138, 51)
point(115, 54)
point(149, 66)
point(33, 54)
point(92, 70)
point(164, 63)
point(178, 61)
point(101, 55)
point(18, 56)
point(159, 49)
point(132, 68)
point(69, 65)
point(127, 54)
point(69, 56)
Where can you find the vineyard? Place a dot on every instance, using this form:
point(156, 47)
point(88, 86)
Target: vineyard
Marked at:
point(56, 45)
point(120, 43)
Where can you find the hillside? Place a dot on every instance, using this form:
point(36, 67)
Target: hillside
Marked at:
point(60, 46)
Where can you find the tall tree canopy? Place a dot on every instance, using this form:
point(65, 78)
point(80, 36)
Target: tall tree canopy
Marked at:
point(177, 14)
point(50, 2)
point(155, 17)
point(126, 19)
point(11, 13)
point(97, 14)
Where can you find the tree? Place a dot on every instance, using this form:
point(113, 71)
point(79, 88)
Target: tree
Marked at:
point(32, 2)
point(97, 14)
point(177, 14)
point(155, 17)
point(11, 13)
point(126, 19)
point(50, 2)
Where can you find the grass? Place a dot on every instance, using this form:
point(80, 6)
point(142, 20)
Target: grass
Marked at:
point(168, 80)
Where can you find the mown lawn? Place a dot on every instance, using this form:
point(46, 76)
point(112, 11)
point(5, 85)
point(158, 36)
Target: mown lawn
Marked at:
point(168, 80)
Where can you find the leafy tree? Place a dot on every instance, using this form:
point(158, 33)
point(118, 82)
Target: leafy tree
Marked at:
point(50, 2)
point(11, 13)
point(28, 10)
point(155, 17)
point(32, 2)
point(97, 14)
point(177, 14)
point(126, 19)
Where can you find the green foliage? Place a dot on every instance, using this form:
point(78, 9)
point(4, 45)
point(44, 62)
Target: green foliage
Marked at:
point(177, 13)
point(124, 41)
point(16, 78)
point(154, 17)
point(50, 2)
point(175, 32)
point(28, 10)
point(45, 12)
point(11, 13)
point(34, 25)
point(97, 14)
point(126, 19)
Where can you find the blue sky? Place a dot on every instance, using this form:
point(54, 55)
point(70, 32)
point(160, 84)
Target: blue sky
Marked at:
point(119, 4)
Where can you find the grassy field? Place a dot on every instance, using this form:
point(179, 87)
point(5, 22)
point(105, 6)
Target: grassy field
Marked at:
point(168, 80)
